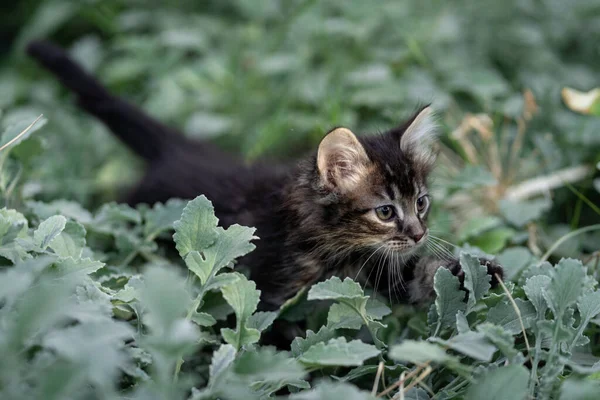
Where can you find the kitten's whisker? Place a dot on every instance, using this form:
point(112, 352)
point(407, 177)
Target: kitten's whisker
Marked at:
point(444, 241)
point(380, 269)
point(365, 263)
point(441, 251)
point(375, 268)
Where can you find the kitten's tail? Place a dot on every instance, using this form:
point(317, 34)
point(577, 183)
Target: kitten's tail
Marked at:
point(145, 136)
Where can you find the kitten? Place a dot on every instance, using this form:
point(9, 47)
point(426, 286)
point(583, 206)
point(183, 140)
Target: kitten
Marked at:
point(358, 207)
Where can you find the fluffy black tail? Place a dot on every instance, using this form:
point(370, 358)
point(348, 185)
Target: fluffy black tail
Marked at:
point(142, 134)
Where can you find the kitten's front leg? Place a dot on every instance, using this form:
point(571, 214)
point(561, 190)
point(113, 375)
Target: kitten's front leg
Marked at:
point(420, 289)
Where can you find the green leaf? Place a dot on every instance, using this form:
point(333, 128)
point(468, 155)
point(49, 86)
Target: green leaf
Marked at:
point(243, 298)
point(416, 393)
point(48, 231)
point(335, 289)
point(501, 338)
point(477, 280)
point(203, 319)
point(70, 242)
point(69, 209)
point(266, 365)
point(566, 286)
point(472, 176)
point(521, 212)
point(14, 130)
point(261, 320)
point(165, 296)
point(162, 217)
point(342, 316)
point(506, 383)
point(195, 230)
point(449, 299)
point(301, 345)
point(77, 267)
point(534, 289)
point(230, 244)
point(494, 240)
point(221, 360)
point(504, 315)
point(472, 344)
point(477, 225)
point(339, 352)
point(514, 260)
point(579, 389)
point(333, 391)
point(588, 306)
point(113, 214)
point(419, 352)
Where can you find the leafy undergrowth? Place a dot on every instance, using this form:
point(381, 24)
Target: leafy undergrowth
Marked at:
point(77, 321)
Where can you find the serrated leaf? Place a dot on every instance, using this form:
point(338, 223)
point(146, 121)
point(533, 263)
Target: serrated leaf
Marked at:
point(69, 209)
point(471, 344)
point(505, 316)
point(462, 325)
point(72, 267)
point(70, 242)
point(267, 365)
point(500, 337)
point(534, 289)
point(221, 360)
point(418, 352)
point(588, 306)
point(301, 345)
point(195, 230)
point(48, 230)
point(333, 391)
point(506, 383)
point(566, 286)
point(203, 319)
point(243, 298)
point(221, 280)
point(162, 217)
point(261, 320)
point(341, 316)
point(112, 214)
point(229, 244)
point(449, 299)
point(335, 289)
point(477, 280)
point(339, 352)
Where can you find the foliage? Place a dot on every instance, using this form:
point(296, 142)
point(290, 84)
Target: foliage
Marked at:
point(102, 300)
point(74, 326)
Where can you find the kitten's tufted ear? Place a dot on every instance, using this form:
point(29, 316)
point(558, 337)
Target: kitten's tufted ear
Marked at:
point(341, 160)
point(418, 138)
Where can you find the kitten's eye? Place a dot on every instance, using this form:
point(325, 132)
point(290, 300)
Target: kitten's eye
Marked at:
point(385, 213)
point(422, 203)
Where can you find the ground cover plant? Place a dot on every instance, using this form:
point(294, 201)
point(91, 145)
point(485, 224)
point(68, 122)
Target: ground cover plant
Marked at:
point(102, 300)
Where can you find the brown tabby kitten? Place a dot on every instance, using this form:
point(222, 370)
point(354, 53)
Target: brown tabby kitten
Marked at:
point(358, 207)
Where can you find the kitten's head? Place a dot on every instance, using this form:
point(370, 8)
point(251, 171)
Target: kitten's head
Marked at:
point(375, 187)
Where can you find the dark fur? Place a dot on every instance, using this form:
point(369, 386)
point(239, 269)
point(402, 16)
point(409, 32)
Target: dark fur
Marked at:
point(307, 230)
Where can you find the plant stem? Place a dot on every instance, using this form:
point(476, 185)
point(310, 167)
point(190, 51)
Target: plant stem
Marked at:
point(568, 236)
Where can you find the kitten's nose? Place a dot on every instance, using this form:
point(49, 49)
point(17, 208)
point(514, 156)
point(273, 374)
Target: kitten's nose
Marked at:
point(418, 236)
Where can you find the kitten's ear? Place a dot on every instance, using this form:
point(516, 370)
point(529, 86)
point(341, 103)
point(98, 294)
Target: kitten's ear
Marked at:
point(417, 140)
point(341, 159)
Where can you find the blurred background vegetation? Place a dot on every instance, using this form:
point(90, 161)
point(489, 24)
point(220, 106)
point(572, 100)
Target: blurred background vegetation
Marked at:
point(268, 78)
